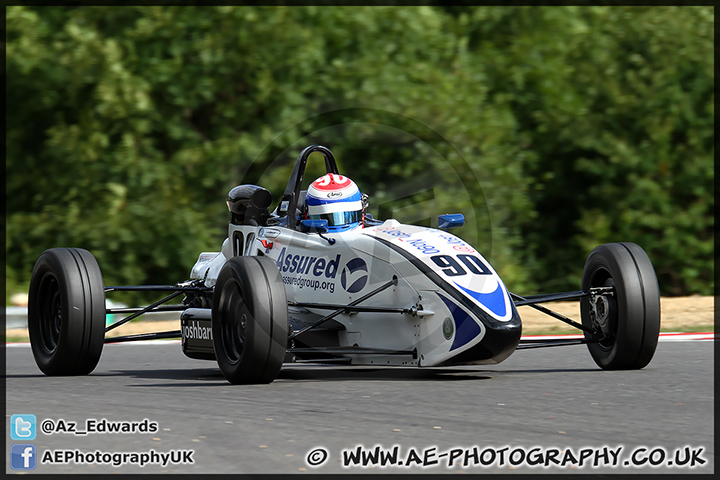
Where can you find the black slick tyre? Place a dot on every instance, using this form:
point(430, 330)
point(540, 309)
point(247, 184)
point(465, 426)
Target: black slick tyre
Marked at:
point(249, 320)
point(66, 312)
point(628, 320)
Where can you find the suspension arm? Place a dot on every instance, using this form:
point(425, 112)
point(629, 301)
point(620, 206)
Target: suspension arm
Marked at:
point(557, 297)
point(547, 311)
point(142, 310)
point(348, 308)
point(554, 297)
point(144, 336)
point(158, 288)
point(167, 308)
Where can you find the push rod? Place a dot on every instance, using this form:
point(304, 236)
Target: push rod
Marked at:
point(563, 343)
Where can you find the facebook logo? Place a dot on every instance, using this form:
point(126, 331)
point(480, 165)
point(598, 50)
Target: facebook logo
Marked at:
point(22, 456)
point(23, 427)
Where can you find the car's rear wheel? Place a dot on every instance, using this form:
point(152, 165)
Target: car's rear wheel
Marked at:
point(250, 320)
point(625, 316)
point(66, 312)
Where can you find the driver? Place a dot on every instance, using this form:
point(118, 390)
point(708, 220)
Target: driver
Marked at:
point(337, 199)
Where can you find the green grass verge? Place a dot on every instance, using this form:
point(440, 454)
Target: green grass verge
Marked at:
point(16, 339)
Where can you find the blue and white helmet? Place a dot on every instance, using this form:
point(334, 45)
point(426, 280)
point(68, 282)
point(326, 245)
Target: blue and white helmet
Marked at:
point(337, 199)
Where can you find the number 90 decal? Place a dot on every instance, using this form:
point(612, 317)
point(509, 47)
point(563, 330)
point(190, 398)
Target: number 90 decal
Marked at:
point(452, 268)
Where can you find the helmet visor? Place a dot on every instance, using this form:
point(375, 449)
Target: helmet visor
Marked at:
point(339, 218)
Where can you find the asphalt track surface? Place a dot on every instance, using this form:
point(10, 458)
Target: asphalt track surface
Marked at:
point(552, 398)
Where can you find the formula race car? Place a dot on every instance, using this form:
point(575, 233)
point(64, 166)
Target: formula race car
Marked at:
point(318, 279)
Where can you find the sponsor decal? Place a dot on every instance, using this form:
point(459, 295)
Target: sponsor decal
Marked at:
point(393, 232)
point(206, 257)
point(457, 244)
point(334, 194)
point(307, 265)
point(354, 276)
point(301, 283)
point(423, 246)
point(269, 232)
point(303, 271)
point(197, 331)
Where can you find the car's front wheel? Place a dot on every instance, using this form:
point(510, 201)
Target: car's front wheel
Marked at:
point(250, 320)
point(625, 310)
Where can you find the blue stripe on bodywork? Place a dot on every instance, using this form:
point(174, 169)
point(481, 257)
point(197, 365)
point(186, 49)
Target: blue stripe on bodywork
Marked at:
point(466, 329)
point(494, 301)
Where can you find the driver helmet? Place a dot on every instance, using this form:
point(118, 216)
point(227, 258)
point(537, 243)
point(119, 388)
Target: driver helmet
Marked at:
point(337, 199)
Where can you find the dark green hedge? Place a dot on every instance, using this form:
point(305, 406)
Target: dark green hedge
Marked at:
point(553, 128)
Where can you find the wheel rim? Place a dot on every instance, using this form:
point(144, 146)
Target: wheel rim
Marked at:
point(233, 322)
point(51, 318)
point(603, 310)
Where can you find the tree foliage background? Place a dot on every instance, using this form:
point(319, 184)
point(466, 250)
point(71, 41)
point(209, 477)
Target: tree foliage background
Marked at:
point(555, 128)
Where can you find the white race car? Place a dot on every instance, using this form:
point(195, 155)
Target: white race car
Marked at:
point(320, 280)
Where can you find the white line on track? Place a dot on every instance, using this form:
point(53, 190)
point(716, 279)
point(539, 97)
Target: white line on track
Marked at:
point(664, 337)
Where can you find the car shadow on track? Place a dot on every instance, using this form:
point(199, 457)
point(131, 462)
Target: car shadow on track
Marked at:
point(194, 377)
point(307, 373)
point(334, 373)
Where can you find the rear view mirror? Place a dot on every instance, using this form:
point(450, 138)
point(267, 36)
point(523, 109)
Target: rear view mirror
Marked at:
point(452, 220)
point(314, 226)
